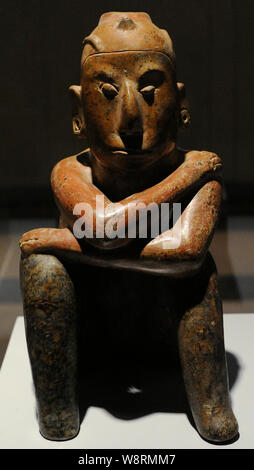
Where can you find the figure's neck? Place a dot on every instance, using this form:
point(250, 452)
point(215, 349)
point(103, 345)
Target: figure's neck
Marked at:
point(117, 185)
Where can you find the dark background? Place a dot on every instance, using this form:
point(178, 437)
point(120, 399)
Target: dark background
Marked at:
point(40, 58)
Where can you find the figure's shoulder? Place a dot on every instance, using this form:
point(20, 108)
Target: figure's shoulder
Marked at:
point(79, 162)
point(81, 158)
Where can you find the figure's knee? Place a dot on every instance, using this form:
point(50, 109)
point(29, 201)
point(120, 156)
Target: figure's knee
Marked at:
point(203, 285)
point(202, 306)
point(45, 279)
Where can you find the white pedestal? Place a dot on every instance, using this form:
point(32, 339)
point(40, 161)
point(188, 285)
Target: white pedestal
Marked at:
point(100, 430)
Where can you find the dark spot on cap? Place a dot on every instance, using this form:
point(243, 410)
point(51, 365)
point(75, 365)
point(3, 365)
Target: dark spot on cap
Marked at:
point(126, 24)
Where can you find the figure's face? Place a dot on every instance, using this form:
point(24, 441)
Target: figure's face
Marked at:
point(130, 107)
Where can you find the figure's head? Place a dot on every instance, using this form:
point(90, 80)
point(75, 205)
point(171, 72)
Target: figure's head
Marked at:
point(129, 103)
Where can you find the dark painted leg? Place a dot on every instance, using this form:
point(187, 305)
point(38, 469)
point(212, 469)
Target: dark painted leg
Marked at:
point(202, 352)
point(50, 319)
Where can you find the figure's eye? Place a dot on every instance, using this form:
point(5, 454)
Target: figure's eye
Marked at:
point(147, 90)
point(148, 83)
point(109, 90)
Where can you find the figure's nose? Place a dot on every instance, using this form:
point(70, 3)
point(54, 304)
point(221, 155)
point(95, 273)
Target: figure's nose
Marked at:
point(130, 123)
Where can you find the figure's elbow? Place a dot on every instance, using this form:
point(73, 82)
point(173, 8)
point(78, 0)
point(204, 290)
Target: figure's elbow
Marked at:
point(193, 255)
point(187, 258)
point(187, 263)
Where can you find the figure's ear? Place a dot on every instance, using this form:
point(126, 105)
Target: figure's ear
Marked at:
point(78, 121)
point(184, 108)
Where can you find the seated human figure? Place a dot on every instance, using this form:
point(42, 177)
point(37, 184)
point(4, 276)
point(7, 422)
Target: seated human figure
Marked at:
point(130, 107)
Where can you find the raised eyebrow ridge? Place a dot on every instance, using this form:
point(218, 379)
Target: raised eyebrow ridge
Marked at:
point(152, 70)
point(104, 76)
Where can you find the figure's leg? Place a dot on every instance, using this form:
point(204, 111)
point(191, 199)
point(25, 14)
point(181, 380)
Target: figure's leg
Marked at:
point(202, 352)
point(50, 319)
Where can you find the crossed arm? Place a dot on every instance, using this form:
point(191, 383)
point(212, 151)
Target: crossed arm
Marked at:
point(72, 184)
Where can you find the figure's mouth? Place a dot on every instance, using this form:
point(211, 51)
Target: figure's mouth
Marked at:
point(132, 143)
point(132, 140)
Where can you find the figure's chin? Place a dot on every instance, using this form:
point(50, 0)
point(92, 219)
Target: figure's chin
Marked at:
point(122, 158)
point(131, 160)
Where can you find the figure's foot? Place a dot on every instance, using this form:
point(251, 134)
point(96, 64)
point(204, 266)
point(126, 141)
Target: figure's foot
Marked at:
point(60, 426)
point(217, 424)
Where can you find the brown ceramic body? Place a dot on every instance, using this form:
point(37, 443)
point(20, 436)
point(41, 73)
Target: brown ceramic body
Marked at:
point(130, 107)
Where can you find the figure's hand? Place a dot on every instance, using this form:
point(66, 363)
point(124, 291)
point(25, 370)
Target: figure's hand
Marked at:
point(214, 161)
point(48, 240)
point(204, 162)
